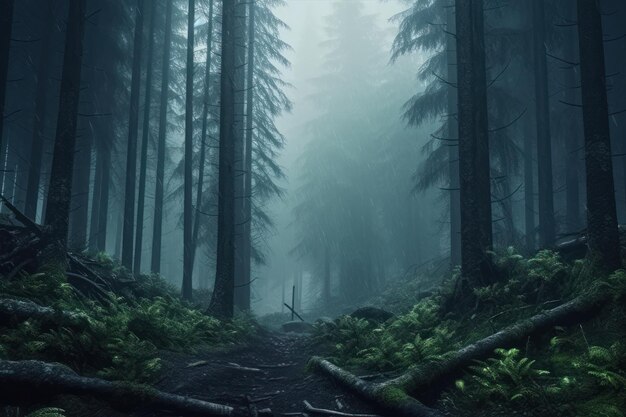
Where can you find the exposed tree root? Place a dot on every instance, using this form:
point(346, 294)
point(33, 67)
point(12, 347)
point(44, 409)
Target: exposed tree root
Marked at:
point(34, 381)
point(395, 395)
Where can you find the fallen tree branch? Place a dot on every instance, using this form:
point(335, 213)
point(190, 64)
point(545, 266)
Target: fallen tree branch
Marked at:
point(30, 381)
point(395, 394)
point(325, 412)
point(293, 311)
point(21, 217)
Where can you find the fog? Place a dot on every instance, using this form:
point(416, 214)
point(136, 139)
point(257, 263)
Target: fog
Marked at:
point(310, 36)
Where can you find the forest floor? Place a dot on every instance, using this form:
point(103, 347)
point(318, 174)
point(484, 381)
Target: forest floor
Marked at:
point(270, 373)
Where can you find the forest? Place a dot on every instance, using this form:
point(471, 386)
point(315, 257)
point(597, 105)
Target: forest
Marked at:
point(350, 208)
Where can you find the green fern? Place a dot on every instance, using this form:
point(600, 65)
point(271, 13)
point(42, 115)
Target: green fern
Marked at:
point(119, 340)
point(47, 412)
point(505, 377)
point(605, 365)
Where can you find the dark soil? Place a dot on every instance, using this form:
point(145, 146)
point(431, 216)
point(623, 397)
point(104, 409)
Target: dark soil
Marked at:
point(278, 379)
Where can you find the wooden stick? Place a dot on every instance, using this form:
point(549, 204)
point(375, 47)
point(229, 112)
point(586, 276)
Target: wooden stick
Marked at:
point(293, 312)
point(293, 302)
point(326, 412)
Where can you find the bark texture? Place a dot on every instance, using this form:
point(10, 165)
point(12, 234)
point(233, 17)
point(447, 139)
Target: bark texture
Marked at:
point(187, 289)
point(157, 229)
point(475, 183)
point(145, 137)
point(131, 150)
point(40, 118)
point(547, 227)
point(530, 224)
point(60, 190)
point(453, 151)
point(604, 245)
point(232, 35)
point(203, 139)
point(246, 250)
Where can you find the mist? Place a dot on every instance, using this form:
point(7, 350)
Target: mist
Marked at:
point(360, 208)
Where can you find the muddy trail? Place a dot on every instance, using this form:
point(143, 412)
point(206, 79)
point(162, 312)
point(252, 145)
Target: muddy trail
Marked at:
point(270, 373)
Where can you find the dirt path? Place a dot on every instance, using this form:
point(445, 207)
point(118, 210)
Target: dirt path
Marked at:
point(271, 372)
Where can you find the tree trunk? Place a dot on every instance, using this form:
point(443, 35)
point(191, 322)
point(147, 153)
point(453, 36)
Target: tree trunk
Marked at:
point(131, 151)
point(6, 23)
point(80, 196)
point(39, 121)
point(157, 234)
point(243, 291)
point(529, 191)
point(547, 228)
point(103, 205)
point(510, 238)
point(453, 151)
point(60, 190)
point(476, 226)
point(395, 394)
point(187, 290)
point(141, 199)
point(604, 245)
point(95, 198)
point(4, 160)
point(25, 382)
point(240, 165)
point(573, 142)
point(232, 35)
point(203, 139)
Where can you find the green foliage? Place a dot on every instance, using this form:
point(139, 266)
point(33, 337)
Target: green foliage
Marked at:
point(47, 287)
point(587, 381)
point(523, 281)
point(575, 371)
point(407, 340)
point(47, 412)
point(605, 366)
point(119, 340)
point(507, 377)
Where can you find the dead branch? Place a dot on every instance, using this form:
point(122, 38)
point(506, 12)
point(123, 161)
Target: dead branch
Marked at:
point(325, 412)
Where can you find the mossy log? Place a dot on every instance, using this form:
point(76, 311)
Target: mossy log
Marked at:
point(397, 395)
point(27, 382)
point(12, 310)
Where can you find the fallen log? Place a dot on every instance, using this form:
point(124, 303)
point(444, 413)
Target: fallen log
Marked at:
point(396, 395)
point(25, 382)
point(18, 310)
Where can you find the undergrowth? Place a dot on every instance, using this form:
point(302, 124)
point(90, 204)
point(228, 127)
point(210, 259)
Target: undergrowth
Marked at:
point(122, 337)
point(577, 371)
